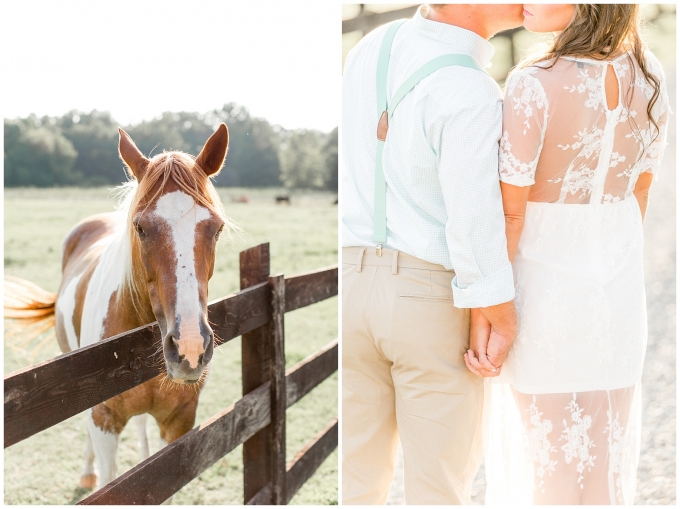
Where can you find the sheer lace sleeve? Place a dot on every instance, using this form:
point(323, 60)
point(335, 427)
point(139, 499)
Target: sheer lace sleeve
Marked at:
point(525, 110)
point(661, 112)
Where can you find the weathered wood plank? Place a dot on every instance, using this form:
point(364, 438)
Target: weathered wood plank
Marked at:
point(315, 286)
point(41, 396)
point(305, 463)
point(310, 372)
point(239, 313)
point(255, 369)
point(156, 479)
point(278, 387)
point(262, 497)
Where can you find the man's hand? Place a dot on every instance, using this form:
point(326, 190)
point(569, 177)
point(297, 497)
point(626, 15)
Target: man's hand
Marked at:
point(492, 331)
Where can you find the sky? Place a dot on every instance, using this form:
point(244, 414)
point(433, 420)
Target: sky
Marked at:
point(137, 59)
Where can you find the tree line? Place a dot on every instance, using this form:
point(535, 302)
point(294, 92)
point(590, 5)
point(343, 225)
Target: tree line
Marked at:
point(81, 149)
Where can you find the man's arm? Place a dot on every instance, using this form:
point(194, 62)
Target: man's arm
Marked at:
point(475, 225)
point(475, 232)
point(496, 322)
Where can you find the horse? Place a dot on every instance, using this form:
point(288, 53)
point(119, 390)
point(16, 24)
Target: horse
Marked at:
point(148, 261)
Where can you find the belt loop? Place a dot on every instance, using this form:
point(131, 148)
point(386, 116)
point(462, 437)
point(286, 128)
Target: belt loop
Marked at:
point(394, 262)
point(360, 260)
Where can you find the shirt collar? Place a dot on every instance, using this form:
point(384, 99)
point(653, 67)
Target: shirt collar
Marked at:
point(462, 39)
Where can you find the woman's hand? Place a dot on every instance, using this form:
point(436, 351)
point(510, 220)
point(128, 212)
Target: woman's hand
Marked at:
point(476, 358)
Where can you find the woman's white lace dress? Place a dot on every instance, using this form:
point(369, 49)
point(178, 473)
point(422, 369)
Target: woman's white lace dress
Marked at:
point(562, 422)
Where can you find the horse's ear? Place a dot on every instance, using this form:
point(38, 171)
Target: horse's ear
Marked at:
point(212, 156)
point(134, 160)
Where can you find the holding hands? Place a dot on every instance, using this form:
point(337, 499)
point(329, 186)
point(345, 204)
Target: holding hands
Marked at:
point(492, 331)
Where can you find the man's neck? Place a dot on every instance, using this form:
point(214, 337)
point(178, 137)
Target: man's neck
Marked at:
point(461, 16)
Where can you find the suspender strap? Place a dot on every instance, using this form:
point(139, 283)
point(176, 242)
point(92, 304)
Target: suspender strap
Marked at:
point(383, 65)
point(427, 69)
point(385, 112)
point(380, 191)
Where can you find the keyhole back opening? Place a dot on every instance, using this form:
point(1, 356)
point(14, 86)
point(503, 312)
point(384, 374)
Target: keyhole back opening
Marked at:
point(611, 88)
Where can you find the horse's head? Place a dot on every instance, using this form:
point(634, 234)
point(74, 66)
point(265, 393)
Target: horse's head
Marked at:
point(174, 222)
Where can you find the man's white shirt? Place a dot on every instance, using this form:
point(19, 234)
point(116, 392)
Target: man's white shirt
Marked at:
point(440, 160)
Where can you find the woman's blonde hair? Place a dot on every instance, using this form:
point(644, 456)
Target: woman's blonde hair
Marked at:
point(600, 31)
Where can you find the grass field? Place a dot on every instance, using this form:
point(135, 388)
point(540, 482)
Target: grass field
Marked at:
point(45, 468)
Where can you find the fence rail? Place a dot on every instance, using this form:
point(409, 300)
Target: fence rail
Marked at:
point(43, 395)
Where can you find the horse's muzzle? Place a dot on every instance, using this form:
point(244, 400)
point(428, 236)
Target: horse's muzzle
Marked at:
point(186, 358)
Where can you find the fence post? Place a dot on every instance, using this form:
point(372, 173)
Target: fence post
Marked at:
point(278, 388)
point(256, 370)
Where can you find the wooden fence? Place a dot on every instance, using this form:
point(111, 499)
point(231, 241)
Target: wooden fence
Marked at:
point(43, 395)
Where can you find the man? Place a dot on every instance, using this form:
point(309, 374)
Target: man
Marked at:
point(407, 300)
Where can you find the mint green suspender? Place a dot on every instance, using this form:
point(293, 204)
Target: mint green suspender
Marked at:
point(385, 112)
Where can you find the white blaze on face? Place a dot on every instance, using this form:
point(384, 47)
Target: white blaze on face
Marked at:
point(182, 215)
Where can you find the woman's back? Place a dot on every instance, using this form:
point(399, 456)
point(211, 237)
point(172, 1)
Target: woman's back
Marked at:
point(561, 136)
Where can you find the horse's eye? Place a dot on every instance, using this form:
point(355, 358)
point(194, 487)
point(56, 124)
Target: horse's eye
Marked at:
point(217, 235)
point(139, 230)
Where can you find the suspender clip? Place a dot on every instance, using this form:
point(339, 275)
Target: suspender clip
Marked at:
point(378, 249)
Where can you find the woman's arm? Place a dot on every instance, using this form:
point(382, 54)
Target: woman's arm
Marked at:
point(514, 207)
point(641, 191)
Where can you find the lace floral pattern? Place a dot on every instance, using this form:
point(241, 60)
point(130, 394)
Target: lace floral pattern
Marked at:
point(539, 445)
point(530, 106)
point(578, 442)
point(589, 144)
point(590, 84)
point(583, 434)
point(513, 170)
point(531, 100)
point(615, 434)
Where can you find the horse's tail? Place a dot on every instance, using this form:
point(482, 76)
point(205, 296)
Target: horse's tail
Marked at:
point(30, 305)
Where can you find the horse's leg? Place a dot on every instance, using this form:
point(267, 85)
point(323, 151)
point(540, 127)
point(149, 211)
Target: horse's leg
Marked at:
point(88, 479)
point(177, 424)
point(105, 443)
point(140, 422)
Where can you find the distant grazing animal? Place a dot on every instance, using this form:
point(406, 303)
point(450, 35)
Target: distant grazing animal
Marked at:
point(283, 199)
point(242, 199)
point(151, 260)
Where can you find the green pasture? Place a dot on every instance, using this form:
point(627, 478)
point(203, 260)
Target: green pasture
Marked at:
point(45, 469)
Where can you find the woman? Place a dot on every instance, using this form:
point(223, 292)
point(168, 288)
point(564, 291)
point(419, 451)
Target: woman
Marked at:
point(584, 128)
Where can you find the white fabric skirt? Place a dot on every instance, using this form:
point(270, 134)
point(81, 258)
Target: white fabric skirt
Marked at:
point(562, 420)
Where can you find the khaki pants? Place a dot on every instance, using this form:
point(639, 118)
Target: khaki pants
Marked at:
point(403, 369)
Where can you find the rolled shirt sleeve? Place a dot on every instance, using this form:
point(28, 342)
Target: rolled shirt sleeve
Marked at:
point(475, 226)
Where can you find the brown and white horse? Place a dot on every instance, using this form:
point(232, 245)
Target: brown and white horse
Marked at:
point(150, 260)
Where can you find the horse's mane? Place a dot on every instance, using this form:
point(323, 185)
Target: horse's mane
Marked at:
point(182, 169)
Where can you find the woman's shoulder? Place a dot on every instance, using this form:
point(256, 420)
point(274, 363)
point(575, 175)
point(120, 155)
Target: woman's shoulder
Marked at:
point(552, 75)
point(535, 76)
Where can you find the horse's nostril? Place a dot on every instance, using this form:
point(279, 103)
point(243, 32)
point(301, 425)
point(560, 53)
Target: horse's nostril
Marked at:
point(181, 358)
point(200, 359)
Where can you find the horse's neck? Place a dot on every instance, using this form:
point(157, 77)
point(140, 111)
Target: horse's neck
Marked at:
point(127, 312)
